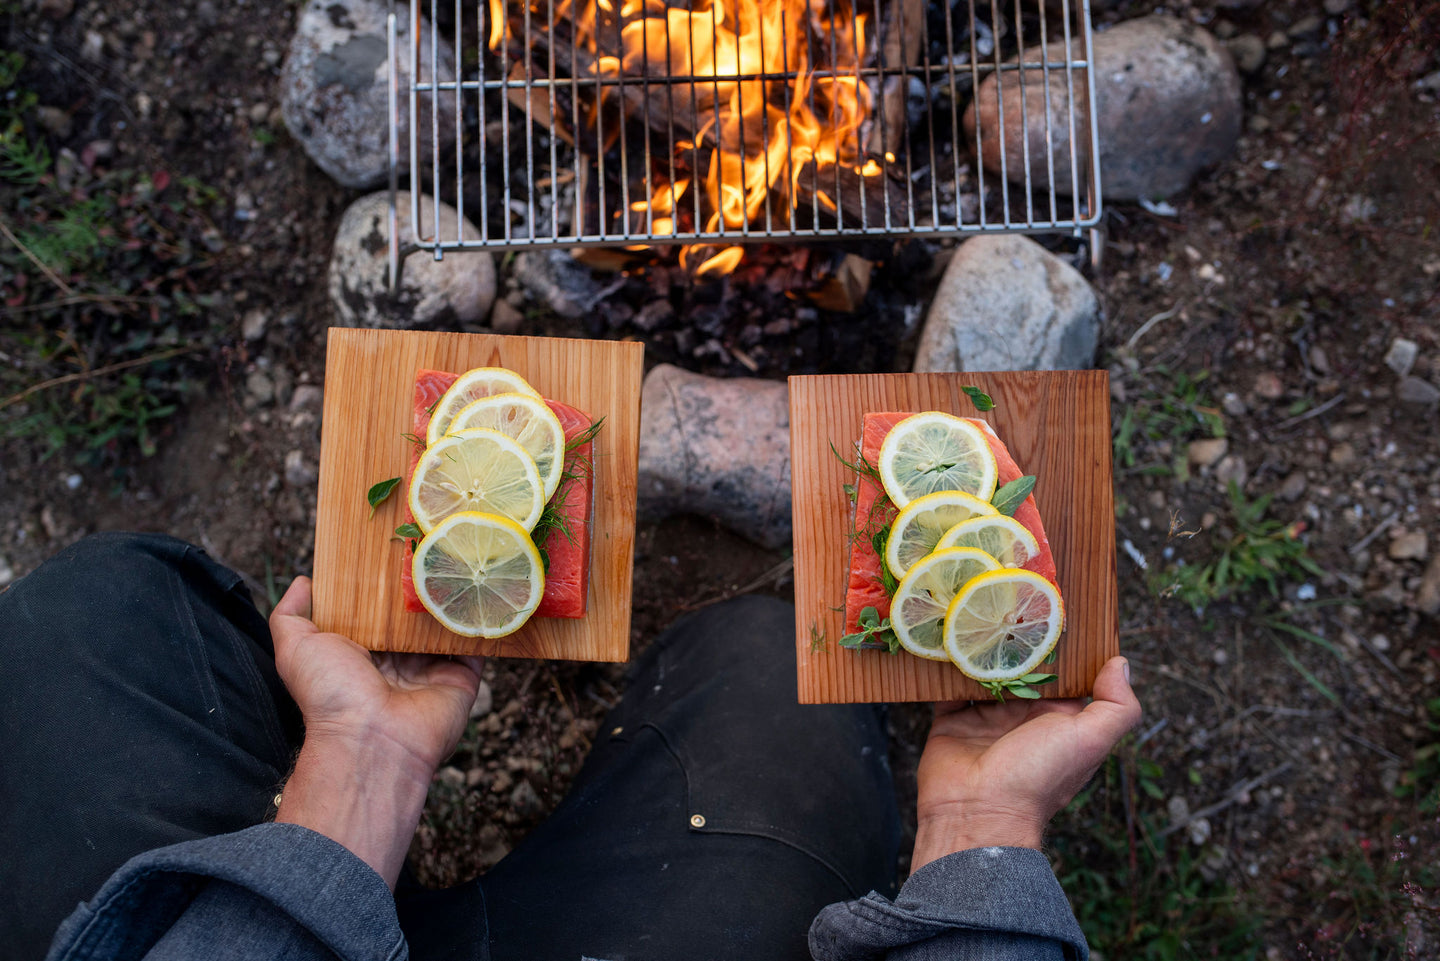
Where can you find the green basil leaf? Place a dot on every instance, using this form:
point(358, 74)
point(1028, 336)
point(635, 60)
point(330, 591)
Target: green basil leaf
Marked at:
point(1039, 678)
point(869, 618)
point(1028, 693)
point(1007, 500)
point(376, 495)
point(409, 530)
point(979, 398)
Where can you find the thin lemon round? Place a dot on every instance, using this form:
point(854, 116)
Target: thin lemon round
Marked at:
point(479, 574)
point(468, 388)
point(1003, 538)
point(528, 421)
point(1002, 624)
point(935, 451)
point(918, 527)
point(917, 612)
point(476, 470)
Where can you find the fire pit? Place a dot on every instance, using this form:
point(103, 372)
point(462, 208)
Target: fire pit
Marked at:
point(711, 123)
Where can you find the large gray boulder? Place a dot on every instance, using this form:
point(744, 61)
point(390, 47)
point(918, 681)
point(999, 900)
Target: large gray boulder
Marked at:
point(335, 89)
point(1006, 303)
point(719, 448)
point(457, 290)
point(1169, 103)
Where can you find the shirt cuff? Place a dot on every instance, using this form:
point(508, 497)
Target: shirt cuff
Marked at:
point(979, 903)
point(317, 884)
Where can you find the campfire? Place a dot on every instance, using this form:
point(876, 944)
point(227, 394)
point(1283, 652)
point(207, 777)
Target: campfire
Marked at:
point(711, 123)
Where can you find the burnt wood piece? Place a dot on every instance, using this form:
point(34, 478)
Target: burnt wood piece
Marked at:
point(901, 29)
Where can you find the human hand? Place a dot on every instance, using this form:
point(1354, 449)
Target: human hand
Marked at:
point(376, 728)
point(996, 773)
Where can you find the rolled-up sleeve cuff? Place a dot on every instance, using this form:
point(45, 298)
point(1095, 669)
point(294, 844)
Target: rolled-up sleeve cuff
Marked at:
point(984, 903)
point(314, 883)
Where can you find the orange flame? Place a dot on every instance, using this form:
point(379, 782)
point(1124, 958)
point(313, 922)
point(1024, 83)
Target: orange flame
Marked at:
point(758, 108)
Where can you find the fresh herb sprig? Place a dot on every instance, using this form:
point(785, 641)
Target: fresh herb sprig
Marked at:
point(875, 634)
point(1021, 687)
point(1007, 499)
point(378, 493)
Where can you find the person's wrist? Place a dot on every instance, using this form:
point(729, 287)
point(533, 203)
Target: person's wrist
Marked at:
point(963, 827)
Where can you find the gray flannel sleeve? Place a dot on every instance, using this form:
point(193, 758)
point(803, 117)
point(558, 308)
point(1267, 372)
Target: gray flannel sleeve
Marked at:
point(269, 892)
point(985, 904)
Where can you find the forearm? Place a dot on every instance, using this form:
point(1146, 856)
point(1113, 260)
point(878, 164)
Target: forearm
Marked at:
point(365, 794)
point(944, 832)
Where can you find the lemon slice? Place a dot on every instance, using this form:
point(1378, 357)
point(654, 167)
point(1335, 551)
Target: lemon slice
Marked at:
point(476, 470)
point(917, 612)
point(479, 574)
point(935, 451)
point(919, 527)
point(1003, 538)
point(1002, 624)
point(528, 421)
point(470, 387)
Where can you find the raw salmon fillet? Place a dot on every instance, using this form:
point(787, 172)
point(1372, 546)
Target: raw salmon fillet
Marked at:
point(568, 579)
point(873, 511)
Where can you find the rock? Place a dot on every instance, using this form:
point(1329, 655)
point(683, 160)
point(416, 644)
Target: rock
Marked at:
point(299, 472)
point(1410, 546)
point(445, 293)
point(1231, 470)
point(559, 281)
point(505, 319)
point(452, 777)
point(524, 800)
point(1293, 486)
point(1417, 392)
point(1336, 7)
point(335, 88)
point(307, 397)
point(1249, 52)
point(661, 313)
point(1169, 105)
point(1269, 386)
point(1234, 405)
point(1342, 454)
point(1277, 40)
point(1306, 27)
point(484, 701)
point(1401, 356)
point(1204, 453)
point(1427, 597)
point(259, 389)
point(716, 447)
point(1006, 303)
point(252, 326)
point(7, 573)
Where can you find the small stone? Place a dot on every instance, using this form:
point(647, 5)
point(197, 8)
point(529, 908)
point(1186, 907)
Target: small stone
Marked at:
point(259, 112)
point(473, 777)
point(299, 472)
point(451, 777)
point(1178, 809)
point(1277, 40)
point(1380, 642)
point(1006, 303)
point(1427, 597)
point(559, 281)
point(1205, 453)
point(93, 46)
point(73, 482)
point(1231, 470)
point(57, 9)
point(1410, 546)
point(1306, 26)
point(1269, 386)
point(1248, 51)
point(1233, 405)
point(1417, 392)
point(717, 447)
point(307, 397)
point(1220, 656)
point(1257, 123)
point(1401, 356)
point(252, 327)
point(55, 121)
point(484, 701)
point(524, 800)
point(1319, 359)
point(505, 319)
point(501, 782)
point(1293, 486)
point(1336, 7)
point(1342, 454)
point(1199, 831)
point(259, 389)
point(654, 315)
point(7, 573)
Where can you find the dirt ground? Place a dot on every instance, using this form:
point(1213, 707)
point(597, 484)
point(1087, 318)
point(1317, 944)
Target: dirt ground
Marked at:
point(1278, 726)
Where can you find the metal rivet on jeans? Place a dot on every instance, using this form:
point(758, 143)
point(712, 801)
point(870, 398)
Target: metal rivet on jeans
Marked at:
point(697, 820)
point(616, 732)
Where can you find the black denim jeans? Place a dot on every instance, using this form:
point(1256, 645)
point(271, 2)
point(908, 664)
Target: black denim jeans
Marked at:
point(140, 707)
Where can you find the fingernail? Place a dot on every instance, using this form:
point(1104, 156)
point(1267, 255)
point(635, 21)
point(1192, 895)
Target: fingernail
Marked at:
point(1127, 671)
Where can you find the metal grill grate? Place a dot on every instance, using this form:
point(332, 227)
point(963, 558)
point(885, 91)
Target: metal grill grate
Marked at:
point(589, 137)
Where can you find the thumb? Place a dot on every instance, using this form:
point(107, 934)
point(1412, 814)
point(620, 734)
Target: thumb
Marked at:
point(1115, 708)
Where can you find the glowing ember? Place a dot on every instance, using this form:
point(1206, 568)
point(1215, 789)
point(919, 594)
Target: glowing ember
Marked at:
point(767, 88)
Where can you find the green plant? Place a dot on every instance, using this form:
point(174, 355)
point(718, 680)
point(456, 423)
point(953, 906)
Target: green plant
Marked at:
point(1422, 780)
point(1137, 894)
point(1152, 432)
point(1254, 550)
